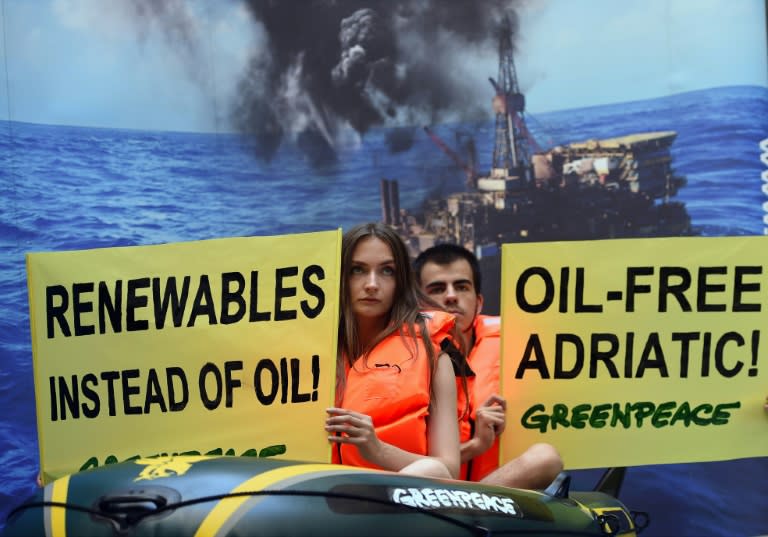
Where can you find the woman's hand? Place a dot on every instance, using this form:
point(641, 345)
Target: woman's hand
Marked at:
point(349, 427)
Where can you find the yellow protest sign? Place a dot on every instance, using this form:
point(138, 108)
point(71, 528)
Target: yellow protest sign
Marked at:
point(637, 351)
point(224, 346)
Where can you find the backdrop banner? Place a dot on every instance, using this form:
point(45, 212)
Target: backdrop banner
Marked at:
point(481, 123)
point(636, 351)
point(223, 346)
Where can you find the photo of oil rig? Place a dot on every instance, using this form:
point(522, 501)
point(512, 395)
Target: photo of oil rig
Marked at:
point(595, 189)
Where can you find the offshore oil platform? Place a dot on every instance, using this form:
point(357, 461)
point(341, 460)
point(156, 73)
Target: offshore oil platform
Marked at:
point(595, 189)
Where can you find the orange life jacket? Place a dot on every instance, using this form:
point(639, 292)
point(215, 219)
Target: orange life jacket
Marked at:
point(485, 361)
point(392, 386)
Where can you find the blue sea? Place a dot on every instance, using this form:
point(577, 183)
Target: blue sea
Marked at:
point(69, 187)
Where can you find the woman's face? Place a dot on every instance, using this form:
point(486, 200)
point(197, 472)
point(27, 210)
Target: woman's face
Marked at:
point(372, 279)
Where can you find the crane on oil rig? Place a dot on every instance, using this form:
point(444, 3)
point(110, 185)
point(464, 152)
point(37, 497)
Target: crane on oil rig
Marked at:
point(468, 144)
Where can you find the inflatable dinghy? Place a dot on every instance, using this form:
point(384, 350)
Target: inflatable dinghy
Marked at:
point(244, 496)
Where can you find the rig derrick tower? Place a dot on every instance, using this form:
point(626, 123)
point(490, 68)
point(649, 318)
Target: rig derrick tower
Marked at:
point(511, 165)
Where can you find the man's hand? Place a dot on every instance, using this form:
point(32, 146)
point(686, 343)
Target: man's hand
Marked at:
point(490, 421)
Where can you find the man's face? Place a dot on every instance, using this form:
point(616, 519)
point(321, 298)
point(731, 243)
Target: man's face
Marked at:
point(453, 287)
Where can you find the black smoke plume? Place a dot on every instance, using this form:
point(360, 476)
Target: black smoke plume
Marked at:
point(334, 64)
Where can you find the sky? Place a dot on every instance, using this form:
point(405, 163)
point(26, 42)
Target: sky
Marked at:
point(115, 64)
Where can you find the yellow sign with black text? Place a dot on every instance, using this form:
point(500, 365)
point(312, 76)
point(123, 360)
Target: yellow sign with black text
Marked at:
point(223, 346)
point(636, 351)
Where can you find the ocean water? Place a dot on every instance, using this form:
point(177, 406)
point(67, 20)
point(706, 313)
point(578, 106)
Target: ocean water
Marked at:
point(64, 188)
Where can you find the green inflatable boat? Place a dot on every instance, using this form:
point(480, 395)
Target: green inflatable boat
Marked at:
point(243, 496)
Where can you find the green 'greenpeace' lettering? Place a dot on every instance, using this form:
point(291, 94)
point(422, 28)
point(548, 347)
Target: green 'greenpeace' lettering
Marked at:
point(667, 414)
point(269, 451)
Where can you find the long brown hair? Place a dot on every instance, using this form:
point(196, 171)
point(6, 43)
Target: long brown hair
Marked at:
point(405, 314)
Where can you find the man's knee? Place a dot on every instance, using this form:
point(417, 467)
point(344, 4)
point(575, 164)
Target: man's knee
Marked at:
point(545, 457)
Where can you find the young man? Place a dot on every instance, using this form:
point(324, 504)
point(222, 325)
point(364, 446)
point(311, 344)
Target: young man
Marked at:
point(450, 275)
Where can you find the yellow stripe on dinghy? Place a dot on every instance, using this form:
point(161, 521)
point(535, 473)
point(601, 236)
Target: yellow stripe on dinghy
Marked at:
point(221, 516)
point(56, 517)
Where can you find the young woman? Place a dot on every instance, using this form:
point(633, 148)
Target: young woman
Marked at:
point(396, 391)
